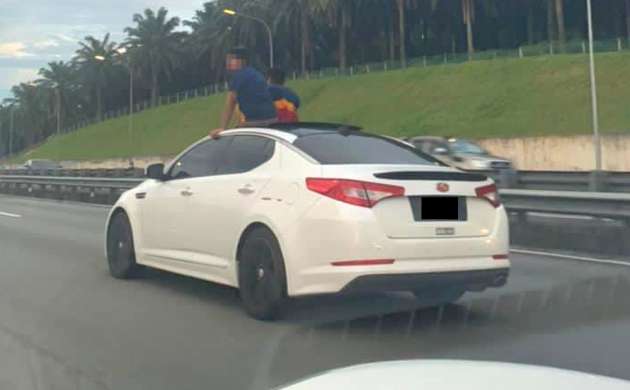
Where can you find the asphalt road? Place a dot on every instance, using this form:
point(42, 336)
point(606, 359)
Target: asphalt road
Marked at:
point(66, 324)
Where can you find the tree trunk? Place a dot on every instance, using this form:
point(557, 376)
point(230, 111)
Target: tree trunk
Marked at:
point(306, 38)
point(155, 88)
point(58, 112)
point(551, 27)
point(343, 36)
point(99, 103)
point(560, 21)
point(392, 37)
point(402, 32)
point(628, 18)
point(530, 24)
point(467, 12)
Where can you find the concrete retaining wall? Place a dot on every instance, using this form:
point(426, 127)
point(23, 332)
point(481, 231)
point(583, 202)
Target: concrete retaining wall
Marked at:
point(140, 162)
point(562, 153)
point(573, 153)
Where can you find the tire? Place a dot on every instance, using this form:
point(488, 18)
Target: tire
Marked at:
point(261, 275)
point(441, 296)
point(121, 256)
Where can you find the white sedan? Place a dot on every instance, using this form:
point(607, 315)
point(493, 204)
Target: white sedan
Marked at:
point(312, 208)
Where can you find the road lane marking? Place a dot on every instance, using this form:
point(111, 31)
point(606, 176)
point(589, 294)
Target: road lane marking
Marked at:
point(10, 215)
point(571, 257)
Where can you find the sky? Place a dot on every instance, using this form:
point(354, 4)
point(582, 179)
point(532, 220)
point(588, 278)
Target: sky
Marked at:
point(35, 32)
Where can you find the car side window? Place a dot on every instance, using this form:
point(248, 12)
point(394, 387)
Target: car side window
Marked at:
point(202, 160)
point(245, 153)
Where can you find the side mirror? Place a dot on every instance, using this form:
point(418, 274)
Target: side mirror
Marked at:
point(440, 151)
point(155, 171)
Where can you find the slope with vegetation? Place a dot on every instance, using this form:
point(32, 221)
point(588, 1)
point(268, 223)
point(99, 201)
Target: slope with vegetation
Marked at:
point(161, 53)
point(499, 98)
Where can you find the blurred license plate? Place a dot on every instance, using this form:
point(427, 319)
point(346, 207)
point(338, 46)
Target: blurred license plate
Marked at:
point(438, 208)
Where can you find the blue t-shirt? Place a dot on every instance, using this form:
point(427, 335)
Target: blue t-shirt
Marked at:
point(279, 92)
point(252, 95)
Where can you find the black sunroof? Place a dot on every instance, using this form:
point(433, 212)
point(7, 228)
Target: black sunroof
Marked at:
point(307, 128)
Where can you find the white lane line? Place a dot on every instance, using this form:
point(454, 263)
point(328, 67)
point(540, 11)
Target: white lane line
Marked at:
point(10, 215)
point(571, 257)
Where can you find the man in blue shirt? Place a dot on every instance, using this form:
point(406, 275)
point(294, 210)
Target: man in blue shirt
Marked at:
point(248, 90)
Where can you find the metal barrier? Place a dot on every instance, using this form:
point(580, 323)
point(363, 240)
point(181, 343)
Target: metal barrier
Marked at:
point(82, 189)
point(602, 181)
point(99, 172)
point(595, 204)
point(526, 180)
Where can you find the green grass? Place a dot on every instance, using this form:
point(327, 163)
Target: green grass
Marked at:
point(499, 98)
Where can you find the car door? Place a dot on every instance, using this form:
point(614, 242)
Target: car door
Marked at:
point(222, 203)
point(166, 209)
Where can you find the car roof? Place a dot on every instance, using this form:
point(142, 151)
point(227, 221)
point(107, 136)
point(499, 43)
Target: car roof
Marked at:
point(292, 131)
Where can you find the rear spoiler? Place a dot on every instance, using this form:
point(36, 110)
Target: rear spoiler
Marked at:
point(419, 175)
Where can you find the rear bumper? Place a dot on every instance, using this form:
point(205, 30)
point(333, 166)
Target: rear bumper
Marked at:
point(466, 280)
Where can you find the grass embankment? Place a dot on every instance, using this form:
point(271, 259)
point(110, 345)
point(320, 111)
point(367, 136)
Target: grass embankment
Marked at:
point(498, 98)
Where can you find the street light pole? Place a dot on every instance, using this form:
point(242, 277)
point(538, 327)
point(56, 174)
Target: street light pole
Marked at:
point(130, 123)
point(58, 111)
point(597, 145)
point(269, 32)
point(11, 131)
point(122, 51)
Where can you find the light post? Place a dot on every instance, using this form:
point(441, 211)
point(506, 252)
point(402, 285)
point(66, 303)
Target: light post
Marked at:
point(231, 12)
point(11, 123)
point(122, 51)
point(58, 95)
point(597, 145)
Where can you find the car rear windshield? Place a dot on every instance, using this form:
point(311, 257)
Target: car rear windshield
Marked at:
point(359, 148)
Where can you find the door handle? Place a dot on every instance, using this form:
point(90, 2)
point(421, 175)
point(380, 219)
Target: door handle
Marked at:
point(246, 189)
point(186, 193)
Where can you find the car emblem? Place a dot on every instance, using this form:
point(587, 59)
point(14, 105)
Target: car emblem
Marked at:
point(442, 187)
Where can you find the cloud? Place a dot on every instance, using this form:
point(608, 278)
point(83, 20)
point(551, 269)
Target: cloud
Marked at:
point(13, 50)
point(45, 44)
point(14, 76)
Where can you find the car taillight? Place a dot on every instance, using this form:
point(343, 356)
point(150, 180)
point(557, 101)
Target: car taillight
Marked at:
point(500, 257)
point(358, 193)
point(489, 193)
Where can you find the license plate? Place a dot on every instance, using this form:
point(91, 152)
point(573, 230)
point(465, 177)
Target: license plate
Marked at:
point(445, 231)
point(439, 208)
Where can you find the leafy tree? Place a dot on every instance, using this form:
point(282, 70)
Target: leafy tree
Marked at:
point(95, 62)
point(60, 80)
point(155, 46)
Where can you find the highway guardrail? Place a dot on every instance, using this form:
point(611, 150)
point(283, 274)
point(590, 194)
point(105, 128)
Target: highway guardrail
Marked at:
point(107, 190)
point(602, 181)
point(604, 231)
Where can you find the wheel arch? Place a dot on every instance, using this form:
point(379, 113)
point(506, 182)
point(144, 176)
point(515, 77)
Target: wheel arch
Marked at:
point(117, 209)
point(248, 229)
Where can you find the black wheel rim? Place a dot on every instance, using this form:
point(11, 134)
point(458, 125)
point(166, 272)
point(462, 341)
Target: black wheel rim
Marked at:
point(259, 274)
point(120, 248)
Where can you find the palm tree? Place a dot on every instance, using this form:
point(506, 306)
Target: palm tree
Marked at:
point(31, 103)
point(338, 12)
point(95, 60)
point(155, 46)
point(551, 27)
point(59, 78)
point(562, 37)
point(401, 31)
point(468, 14)
point(298, 12)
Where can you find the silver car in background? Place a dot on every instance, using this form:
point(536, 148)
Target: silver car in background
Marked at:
point(460, 153)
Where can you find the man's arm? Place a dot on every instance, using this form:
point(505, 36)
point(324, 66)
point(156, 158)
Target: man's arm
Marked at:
point(228, 112)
